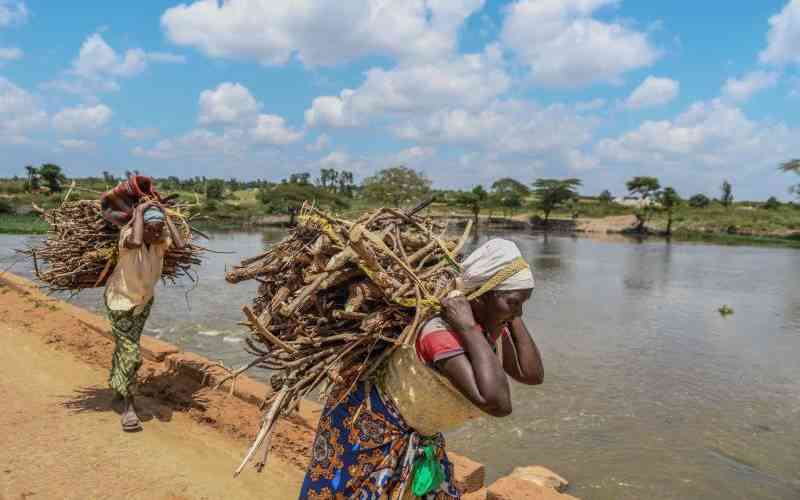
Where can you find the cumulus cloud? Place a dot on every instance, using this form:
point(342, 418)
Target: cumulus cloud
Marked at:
point(783, 38)
point(82, 119)
point(413, 154)
point(272, 31)
point(468, 81)
point(228, 103)
point(10, 53)
point(272, 129)
point(741, 89)
point(508, 127)
point(323, 141)
point(564, 46)
point(708, 135)
point(653, 92)
point(197, 143)
point(139, 134)
point(12, 12)
point(20, 113)
point(77, 145)
point(98, 66)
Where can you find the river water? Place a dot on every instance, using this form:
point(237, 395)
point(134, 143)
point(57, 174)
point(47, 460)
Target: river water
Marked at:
point(649, 392)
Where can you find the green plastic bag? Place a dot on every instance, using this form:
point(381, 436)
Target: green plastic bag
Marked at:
point(428, 473)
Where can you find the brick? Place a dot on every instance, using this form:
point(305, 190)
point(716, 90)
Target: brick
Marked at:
point(475, 495)
point(155, 349)
point(468, 475)
point(514, 488)
point(541, 476)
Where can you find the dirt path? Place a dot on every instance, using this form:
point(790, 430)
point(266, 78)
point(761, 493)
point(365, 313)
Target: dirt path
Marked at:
point(60, 439)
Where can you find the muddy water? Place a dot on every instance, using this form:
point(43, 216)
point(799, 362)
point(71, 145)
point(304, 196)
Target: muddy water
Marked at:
point(649, 393)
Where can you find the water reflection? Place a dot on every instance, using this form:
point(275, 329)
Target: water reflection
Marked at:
point(649, 392)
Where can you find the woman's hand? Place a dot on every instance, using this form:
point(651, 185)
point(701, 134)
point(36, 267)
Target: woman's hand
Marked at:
point(457, 312)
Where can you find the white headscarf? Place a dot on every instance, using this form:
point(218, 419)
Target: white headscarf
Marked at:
point(490, 258)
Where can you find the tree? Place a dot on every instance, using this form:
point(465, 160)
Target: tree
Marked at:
point(33, 178)
point(301, 178)
point(772, 203)
point(552, 193)
point(53, 176)
point(288, 197)
point(346, 183)
point(215, 189)
point(669, 200)
point(605, 197)
point(792, 166)
point(108, 178)
point(699, 201)
point(396, 186)
point(509, 193)
point(727, 194)
point(645, 188)
point(473, 200)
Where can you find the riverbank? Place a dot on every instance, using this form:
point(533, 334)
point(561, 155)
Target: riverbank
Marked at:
point(195, 433)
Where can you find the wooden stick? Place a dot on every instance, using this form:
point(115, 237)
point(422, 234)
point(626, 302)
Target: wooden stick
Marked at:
point(264, 332)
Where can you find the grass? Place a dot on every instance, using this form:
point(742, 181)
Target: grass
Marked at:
point(22, 224)
point(735, 221)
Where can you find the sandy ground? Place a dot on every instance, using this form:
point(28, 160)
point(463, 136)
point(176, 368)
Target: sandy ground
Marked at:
point(59, 437)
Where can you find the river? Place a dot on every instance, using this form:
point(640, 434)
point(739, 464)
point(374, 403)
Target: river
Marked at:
point(649, 392)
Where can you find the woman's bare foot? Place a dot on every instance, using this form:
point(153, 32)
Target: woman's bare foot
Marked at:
point(129, 419)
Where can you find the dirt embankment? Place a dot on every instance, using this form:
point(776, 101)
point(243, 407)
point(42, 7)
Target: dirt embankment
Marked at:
point(61, 438)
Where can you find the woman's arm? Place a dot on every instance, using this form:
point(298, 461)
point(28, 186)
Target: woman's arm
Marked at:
point(177, 241)
point(136, 237)
point(478, 373)
point(521, 358)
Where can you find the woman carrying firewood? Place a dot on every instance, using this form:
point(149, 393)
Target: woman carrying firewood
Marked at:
point(384, 440)
point(143, 244)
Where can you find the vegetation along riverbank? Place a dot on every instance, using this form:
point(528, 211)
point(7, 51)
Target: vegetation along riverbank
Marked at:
point(642, 208)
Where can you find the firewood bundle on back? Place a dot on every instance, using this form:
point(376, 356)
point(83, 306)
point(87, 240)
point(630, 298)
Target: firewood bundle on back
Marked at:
point(336, 297)
point(81, 247)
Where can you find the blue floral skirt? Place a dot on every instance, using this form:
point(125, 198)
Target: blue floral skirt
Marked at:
point(364, 450)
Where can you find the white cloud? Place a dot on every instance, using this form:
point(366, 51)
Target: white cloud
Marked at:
point(82, 119)
point(10, 53)
point(12, 12)
point(336, 160)
point(139, 134)
point(469, 81)
point(653, 92)
point(273, 31)
point(322, 142)
point(77, 145)
point(197, 143)
point(709, 135)
point(98, 66)
point(412, 155)
point(272, 129)
point(504, 127)
point(564, 46)
point(20, 113)
point(740, 90)
point(228, 103)
point(783, 38)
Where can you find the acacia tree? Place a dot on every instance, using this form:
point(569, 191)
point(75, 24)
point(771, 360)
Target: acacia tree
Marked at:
point(792, 166)
point(699, 201)
point(605, 197)
point(53, 176)
point(552, 193)
point(727, 194)
point(215, 189)
point(397, 186)
point(288, 197)
point(646, 188)
point(474, 200)
point(508, 194)
point(669, 200)
point(33, 178)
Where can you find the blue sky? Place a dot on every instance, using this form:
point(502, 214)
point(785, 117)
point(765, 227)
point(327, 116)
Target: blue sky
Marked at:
point(466, 91)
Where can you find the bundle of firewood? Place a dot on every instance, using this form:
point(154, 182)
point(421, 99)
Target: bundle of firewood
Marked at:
point(336, 297)
point(81, 247)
